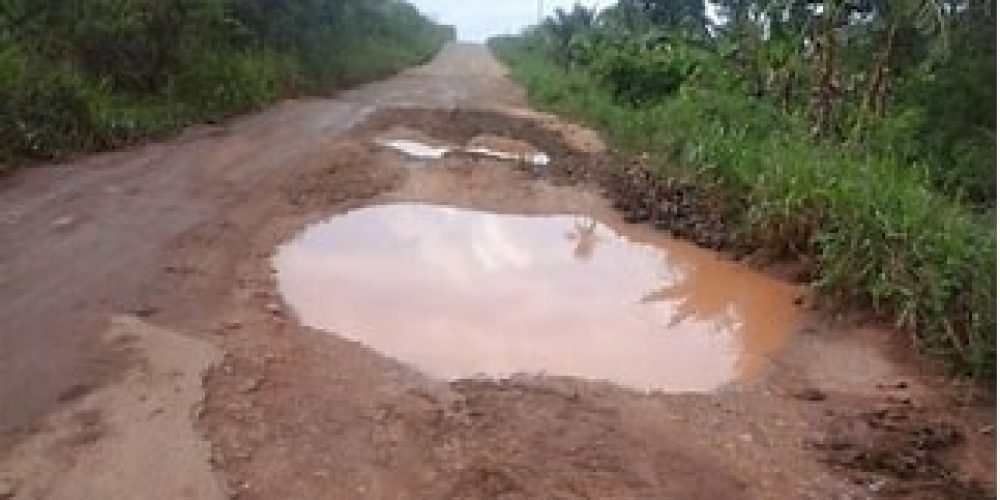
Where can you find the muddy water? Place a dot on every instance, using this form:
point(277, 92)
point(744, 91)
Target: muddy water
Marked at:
point(459, 293)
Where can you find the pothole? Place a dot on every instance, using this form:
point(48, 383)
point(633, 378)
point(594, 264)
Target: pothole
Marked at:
point(461, 293)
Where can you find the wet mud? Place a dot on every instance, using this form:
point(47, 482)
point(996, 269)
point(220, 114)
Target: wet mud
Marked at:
point(901, 449)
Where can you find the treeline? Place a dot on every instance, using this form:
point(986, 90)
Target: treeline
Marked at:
point(96, 74)
point(860, 134)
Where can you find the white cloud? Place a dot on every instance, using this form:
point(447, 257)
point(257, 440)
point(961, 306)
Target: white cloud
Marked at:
point(478, 20)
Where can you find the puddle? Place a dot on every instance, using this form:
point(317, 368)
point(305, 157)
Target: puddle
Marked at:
point(486, 146)
point(460, 293)
point(537, 159)
point(503, 148)
point(415, 149)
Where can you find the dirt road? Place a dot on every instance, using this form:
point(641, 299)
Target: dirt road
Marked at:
point(127, 276)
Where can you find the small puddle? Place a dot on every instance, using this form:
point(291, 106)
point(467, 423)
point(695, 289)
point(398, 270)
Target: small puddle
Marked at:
point(415, 149)
point(461, 293)
point(537, 159)
point(485, 146)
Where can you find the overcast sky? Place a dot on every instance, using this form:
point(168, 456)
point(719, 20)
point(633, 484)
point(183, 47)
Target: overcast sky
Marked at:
point(477, 20)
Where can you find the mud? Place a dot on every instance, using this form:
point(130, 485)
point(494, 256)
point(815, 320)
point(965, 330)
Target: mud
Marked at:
point(184, 233)
point(899, 448)
point(459, 293)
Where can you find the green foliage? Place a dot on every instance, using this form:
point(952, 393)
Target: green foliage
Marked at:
point(217, 82)
point(103, 73)
point(640, 76)
point(879, 230)
point(958, 137)
point(42, 112)
point(563, 29)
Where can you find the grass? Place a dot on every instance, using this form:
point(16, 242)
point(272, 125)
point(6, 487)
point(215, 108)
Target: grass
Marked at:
point(878, 232)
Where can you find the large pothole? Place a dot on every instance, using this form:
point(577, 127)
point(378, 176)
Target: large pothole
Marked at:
point(461, 293)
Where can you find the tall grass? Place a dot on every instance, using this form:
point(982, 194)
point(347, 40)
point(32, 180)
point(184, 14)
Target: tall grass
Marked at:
point(878, 232)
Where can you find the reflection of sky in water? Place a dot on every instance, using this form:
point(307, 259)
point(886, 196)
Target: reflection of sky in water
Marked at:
point(457, 293)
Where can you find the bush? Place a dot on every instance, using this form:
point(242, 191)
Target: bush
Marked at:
point(44, 111)
point(216, 82)
point(639, 77)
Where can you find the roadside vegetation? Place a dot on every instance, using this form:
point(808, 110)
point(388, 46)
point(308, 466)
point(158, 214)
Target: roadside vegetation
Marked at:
point(859, 135)
point(97, 74)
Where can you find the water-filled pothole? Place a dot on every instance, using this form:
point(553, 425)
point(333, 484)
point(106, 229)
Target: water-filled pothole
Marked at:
point(459, 293)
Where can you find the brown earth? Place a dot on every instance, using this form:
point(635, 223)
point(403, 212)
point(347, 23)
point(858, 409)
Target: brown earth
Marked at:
point(127, 275)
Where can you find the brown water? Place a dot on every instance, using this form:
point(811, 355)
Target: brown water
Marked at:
point(460, 293)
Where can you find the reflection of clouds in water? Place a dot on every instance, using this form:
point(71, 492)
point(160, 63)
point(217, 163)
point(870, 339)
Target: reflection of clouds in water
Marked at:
point(455, 293)
point(453, 246)
point(497, 247)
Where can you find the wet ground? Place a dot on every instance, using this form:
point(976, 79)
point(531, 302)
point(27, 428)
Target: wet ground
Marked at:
point(129, 275)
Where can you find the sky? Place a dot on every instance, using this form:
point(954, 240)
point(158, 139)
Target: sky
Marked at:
point(478, 20)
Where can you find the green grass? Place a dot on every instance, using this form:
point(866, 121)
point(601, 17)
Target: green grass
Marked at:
point(878, 231)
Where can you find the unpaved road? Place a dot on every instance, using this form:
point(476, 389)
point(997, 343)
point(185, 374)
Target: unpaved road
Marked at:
point(127, 276)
